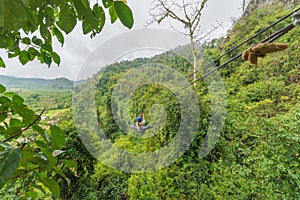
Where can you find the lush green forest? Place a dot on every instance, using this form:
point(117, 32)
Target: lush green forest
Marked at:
point(257, 155)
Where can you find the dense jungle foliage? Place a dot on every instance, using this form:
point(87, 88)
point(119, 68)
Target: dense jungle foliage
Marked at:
point(256, 157)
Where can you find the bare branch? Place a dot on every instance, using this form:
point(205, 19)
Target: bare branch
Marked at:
point(166, 11)
point(198, 14)
point(188, 13)
point(185, 11)
point(213, 28)
point(178, 31)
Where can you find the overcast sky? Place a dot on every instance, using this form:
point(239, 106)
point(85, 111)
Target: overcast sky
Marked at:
point(117, 40)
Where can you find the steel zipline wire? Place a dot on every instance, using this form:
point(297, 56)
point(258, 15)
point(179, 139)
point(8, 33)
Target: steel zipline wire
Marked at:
point(245, 41)
point(269, 39)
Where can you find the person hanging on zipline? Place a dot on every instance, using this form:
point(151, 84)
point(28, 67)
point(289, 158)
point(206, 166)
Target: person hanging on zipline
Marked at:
point(140, 124)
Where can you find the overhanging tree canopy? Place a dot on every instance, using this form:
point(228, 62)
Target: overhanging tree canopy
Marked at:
point(43, 20)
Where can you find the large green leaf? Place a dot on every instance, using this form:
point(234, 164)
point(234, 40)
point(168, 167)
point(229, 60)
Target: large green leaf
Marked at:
point(2, 63)
point(28, 115)
point(41, 144)
point(80, 9)
point(50, 158)
point(25, 40)
point(24, 57)
point(89, 23)
point(4, 41)
point(31, 195)
point(4, 146)
point(10, 94)
point(16, 51)
point(2, 10)
point(16, 99)
point(86, 3)
point(47, 47)
point(100, 15)
point(60, 172)
point(124, 13)
point(13, 14)
point(5, 101)
point(33, 53)
point(55, 58)
point(39, 187)
point(12, 132)
point(59, 35)
point(107, 3)
point(37, 41)
point(45, 33)
point(2, 88)
point(47, 58)
point(58, 137)
point(67, 19)
point(52, 185)
point(15, 122)
point(40, 131)
point(113, 14)
point(9, 161)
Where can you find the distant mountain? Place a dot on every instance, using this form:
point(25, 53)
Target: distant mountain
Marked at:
point(15, 83)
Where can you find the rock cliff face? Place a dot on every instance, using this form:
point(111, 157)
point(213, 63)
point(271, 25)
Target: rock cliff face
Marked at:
point(253, 4)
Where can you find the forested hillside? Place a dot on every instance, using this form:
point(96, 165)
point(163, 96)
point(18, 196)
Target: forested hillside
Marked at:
point(257, 155)
point(15, 83)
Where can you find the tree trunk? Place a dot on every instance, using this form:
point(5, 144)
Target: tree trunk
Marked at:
point(194, 52)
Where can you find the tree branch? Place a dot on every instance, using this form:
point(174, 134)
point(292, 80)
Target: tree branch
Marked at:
point(26, 172)
point(185, 11)
point(26, 128)
point(197, 17)
point(171, 13)
point(198, 14)
point(209, 32)
point(178, 31)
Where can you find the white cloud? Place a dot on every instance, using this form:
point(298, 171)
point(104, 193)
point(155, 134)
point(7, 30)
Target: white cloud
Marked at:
point(78, 47)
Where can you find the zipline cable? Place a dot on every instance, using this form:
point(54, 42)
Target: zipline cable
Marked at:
point(269, 39)
point(245, 41)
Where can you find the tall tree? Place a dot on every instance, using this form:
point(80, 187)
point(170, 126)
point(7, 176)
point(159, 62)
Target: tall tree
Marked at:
point(186, 12)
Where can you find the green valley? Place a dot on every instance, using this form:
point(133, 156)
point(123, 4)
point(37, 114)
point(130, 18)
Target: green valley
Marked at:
point(256, 156)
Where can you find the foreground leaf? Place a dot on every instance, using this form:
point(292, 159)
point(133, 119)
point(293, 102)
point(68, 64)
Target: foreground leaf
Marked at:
point(52, 185)
point(9, 161)
point(67, 19)
point(2, 64)
point(113, 14)
point(58, 137)
point(2, 88)
point(59, 35)
point(107, 3)
point(124, 13)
